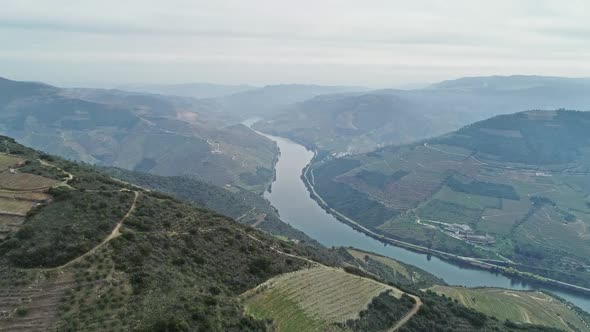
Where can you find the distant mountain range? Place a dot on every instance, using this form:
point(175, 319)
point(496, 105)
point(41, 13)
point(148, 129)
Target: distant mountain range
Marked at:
point(272, 99)
point(193, 90)
point(360, 122)
point(153, 133)
point(244, 101)
point(179, 135)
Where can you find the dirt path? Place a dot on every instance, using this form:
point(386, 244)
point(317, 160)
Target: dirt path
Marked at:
point(69, 177)
point(245, 214)
point(279, 251)
point(111, 236)
point(259, 219)
point(409, 315)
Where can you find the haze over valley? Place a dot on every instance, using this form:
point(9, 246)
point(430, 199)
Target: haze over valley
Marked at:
point(309, 166)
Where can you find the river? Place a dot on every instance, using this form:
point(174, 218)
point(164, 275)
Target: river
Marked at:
point(291, 198)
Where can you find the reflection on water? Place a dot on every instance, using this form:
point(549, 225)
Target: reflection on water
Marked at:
point(295, 206)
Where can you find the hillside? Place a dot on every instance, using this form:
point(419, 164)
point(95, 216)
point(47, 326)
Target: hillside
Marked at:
point(359, 122)
point(92, 253)
point(158, 134)
point(242, 205)
point(140, 252)
point(352, 122)
point(273, 99)
point(314, 299)
point(532, 307)
point(512, 188)
point(193, 90)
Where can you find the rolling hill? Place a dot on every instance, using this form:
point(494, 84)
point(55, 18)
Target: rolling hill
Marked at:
point(513, 188)
point(272, 99)
point(192, 90)
point(138, 252)
point(242, 205)
point(318, 298)
point(89, 252)
point(152, 133)
point(359, 122)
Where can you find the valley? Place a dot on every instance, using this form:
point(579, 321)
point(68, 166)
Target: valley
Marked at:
point(105, 254)
point(339, 244)
point(435, 233)
point(268, 166)
point(306, 215)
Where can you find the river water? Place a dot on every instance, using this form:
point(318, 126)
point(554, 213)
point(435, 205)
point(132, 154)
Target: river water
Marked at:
point(291, 198)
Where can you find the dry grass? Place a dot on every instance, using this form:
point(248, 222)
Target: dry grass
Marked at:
point(15, 206)
point(35, 196)
point(7, 161)
point(24, 182)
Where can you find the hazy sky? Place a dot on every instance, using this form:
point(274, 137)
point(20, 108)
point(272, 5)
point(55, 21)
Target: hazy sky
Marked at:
point(369, 42)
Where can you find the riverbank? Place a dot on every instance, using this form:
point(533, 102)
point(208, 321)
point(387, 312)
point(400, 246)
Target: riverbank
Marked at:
point(467, 261)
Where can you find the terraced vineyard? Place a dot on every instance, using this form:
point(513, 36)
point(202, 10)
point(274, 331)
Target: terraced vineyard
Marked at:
point(33, 307)
point(313, 299)
point(526, 307)
point(19, 193)
point(25, 182)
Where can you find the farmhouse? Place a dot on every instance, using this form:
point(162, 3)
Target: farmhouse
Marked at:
point(480, 239)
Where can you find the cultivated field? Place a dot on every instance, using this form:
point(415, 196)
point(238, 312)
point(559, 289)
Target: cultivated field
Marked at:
point(35, 306)
point(7, 161)
point(526, 307)
point(313, 299)
point(19, 193)
point(25, 196)
point(24, 182)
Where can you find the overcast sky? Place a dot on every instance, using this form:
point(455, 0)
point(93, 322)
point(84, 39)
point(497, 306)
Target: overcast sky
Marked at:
point(374, 43)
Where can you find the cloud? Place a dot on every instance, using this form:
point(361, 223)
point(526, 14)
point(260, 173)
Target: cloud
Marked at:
point(376, 42)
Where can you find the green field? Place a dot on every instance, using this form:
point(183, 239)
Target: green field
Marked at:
point(525, 307)
point(313, 299)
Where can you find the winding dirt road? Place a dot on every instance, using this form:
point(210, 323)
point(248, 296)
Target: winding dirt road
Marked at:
point(409, 315)
point(111, 236)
